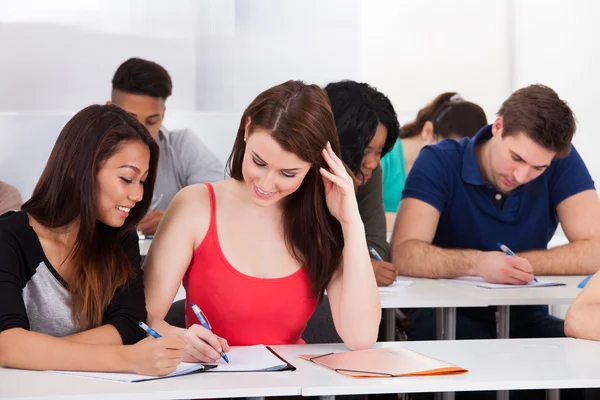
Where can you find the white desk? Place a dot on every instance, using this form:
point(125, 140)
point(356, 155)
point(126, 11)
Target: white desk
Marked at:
point(503, 298)
point(429, 293)
point(16, 384)
point(492, 364)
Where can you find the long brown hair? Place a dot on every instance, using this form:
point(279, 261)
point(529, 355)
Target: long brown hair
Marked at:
point(299, 118)
point(65, 193)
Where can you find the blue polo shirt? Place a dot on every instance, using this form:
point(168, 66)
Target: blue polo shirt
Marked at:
point(447, 176)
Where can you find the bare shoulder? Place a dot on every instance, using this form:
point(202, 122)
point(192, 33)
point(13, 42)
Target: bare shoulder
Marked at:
point(188, 213)
point(190, 210)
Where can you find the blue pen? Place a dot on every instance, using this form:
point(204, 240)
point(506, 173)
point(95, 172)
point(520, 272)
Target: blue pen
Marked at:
point(585, 281)
point(206, 325)
point(510, 253)
point(149, 330)
point(375, 254)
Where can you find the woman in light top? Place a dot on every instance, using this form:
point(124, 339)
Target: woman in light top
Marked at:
point(256, 252)
point(71, 287)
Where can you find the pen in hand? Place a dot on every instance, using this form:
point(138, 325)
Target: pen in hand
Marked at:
point(206, 325)
point(149, 330)
point(510, 253)
point(375, 254)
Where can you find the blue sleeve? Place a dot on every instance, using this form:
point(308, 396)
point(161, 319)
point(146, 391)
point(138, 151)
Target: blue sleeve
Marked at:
point(568, 177)
point(428, 179)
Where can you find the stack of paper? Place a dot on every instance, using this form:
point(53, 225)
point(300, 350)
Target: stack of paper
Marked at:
point(480, 282)
point(394, 287)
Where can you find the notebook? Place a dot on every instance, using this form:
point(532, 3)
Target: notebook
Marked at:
point(182, 369)
point(384, 363)
point(251, 359)
point(480, 282)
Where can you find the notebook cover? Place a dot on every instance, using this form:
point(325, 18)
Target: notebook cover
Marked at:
point(385, 362)
point(289, 367)
point(206, 368)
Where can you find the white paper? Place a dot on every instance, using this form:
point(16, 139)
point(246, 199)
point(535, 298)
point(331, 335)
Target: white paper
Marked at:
point(480, 282)
point(394, 287)
point(249, 358)
point(182, 369)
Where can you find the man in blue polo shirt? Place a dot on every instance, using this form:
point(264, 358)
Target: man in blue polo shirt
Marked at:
point(511, 183)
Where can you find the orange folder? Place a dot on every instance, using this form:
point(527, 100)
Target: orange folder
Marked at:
point(382, 363)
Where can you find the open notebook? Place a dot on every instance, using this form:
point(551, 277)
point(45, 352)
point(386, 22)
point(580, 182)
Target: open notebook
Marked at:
point(241, 359)
point(384, 363)
point(251, 358)
point(182, 369)
point(480, 282)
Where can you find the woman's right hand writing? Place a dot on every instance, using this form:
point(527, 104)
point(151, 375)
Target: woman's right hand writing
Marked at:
point(155, 357)
point(203, 345)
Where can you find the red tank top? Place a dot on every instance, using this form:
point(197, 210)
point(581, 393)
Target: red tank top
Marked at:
point(243, 309)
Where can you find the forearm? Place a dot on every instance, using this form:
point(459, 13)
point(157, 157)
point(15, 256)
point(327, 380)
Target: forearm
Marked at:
point(359, 306)
point(23, 349)
point(421, 259)
point(103, 335)
point(581, 321)
point(576, 258)
point(164, 328)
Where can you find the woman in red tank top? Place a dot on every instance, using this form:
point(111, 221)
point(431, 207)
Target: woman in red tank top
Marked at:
point(257, 251)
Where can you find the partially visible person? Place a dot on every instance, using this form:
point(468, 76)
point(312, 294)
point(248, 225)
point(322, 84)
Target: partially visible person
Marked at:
point(367, 127)
point(141, 88)
point(71, 286)
point(256, 252)
point(10, 198)
point(582, 319)
point(447, 116)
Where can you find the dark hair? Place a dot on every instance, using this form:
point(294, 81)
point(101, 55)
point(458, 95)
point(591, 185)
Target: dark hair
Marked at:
point(299, 118)
point(137, 76)
point(65, 193)
point(425, 114)
point(537, 111)
point(358, 108)
point(459, 118)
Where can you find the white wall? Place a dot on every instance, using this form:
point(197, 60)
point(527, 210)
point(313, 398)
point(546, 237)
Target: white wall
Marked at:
point(415, 50)
point(558, 47)
point(59, 56)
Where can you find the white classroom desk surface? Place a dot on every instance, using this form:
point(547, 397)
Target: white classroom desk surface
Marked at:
point(493, 365)
point(429, 293)
point(30, 385)
point(528, 296)
point(508, 364)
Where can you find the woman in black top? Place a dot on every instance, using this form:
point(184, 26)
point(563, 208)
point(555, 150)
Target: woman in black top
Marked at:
point(71, 287)
point(367, 127)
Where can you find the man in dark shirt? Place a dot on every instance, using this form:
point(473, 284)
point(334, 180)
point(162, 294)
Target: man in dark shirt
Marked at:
point(512, 183)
